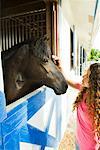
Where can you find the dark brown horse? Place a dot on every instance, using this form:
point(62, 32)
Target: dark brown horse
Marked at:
point(27, 66)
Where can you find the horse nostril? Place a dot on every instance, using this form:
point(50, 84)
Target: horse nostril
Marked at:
point(66, 86)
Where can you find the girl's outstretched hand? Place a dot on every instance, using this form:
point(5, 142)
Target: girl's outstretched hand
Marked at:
point(56, 60)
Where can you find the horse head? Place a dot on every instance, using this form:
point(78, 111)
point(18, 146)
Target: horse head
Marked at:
point(49, 74)
point(27, 67)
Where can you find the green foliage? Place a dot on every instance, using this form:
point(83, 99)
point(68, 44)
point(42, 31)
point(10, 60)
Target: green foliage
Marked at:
point(94, 55)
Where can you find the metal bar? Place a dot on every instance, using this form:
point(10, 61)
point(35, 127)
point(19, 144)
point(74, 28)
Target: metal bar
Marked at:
point(16, 35)
point(30, 28)
point(12, 29)
point(3, 46)
point(8, 26)
point(19, 32)
point(2, 34)
point(96, 5)
point(6, 33)
point(26, 33)
point(22, 33)
point(14, 32)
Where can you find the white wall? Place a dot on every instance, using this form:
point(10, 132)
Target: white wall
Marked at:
point(96, 43)
point(64, 42)
point(64, 45)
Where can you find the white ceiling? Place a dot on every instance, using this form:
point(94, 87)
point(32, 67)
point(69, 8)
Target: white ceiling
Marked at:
point(81, 14)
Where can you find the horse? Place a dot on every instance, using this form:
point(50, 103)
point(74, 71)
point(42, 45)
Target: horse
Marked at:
point(27, 66)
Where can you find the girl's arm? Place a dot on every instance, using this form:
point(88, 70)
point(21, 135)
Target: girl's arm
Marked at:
point(69, 82)
point(73, 84)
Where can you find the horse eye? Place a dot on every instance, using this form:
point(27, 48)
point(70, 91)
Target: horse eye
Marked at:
point(45, 60)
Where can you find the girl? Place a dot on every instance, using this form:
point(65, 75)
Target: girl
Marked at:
point(87, 105)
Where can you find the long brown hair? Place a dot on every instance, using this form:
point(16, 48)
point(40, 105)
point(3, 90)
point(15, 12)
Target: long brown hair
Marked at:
point(93, 96)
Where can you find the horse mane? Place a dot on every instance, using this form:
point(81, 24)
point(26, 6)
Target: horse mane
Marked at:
point(41, 48)
point(38, 47)
point(11, 51)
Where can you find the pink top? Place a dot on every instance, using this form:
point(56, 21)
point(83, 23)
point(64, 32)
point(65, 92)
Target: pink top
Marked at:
point(84, 133)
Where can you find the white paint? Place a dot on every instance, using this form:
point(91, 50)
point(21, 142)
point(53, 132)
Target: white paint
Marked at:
point(39, 120)
point(26, 146)
point(1, 75)
point(19, 101)
point(96, 43)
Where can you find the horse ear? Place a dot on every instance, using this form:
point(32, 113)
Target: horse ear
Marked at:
point(45, 38)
